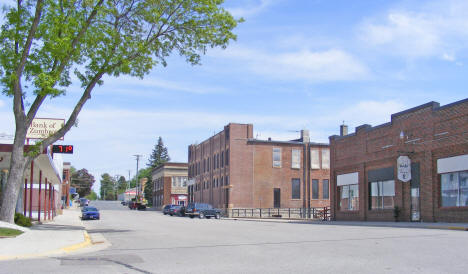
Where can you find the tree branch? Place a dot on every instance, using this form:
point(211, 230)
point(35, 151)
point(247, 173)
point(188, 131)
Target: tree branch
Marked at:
point(40, 98)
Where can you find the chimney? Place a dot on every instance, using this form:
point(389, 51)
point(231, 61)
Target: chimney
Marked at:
point(305, 137)
point(343, 130)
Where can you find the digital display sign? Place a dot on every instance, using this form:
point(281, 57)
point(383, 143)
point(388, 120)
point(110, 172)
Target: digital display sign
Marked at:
point(62, 149)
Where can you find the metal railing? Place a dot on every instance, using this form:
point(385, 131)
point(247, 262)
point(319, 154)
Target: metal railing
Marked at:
point(318, 213)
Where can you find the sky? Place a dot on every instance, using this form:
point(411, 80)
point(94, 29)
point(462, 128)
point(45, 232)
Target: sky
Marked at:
point(295, 65)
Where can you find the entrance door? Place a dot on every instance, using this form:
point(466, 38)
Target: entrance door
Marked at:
point(415, 207)
point(276, 198)
point(415, 211)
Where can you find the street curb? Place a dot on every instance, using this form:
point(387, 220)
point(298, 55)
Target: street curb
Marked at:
point(60, 251)
point(285, 221)
point(74, 247)
point(459, 228)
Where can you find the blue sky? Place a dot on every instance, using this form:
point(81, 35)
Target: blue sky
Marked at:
point(295, 65)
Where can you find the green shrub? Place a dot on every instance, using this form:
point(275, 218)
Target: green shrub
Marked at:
point(21, 220)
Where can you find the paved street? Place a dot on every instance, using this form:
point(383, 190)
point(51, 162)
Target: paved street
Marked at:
point(149, 242)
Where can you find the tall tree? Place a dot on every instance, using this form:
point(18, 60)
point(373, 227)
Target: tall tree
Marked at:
point(83, 181)
point(159, 154)
point(148, 191)
point(43, 41)
point(108, 189)
point(122, 184)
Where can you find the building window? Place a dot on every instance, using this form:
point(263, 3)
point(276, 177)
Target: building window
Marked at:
point(227, 157)
point(325, 158)
point(222, 159)
point(382, 194)
point(349, 197)
point(296, 158)
point(226, 182)
point(315, 189)
point(204, 165)
point(454, 189)
point(276, 157)
point(222, 181)
point(325, 189)
point(314, 158)
point(296, 188)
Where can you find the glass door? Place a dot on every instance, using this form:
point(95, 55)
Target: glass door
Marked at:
point(415, 211)
point(415, 201)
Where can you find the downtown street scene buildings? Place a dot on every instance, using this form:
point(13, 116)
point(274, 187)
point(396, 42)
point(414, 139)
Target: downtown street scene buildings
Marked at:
point(414, 168)
point(169, 184)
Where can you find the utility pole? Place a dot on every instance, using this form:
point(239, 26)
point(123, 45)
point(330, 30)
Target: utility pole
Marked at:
point(128, 184)
point(137, 181)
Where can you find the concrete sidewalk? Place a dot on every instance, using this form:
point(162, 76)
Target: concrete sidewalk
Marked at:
point(63, 235)
point(450, 226)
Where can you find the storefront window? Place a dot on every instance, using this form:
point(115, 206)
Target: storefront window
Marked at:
point(454, 189)
point(382, 194)
point(349, 197)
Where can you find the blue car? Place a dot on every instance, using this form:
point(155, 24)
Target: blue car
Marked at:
point(90, 213)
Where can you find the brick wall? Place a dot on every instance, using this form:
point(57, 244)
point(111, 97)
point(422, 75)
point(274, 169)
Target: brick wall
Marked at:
point(251, 174)
point(430, 132)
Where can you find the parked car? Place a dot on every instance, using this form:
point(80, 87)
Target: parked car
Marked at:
point(167, 209)
point(84, 202)
point(124, 203)
point(202, 210)
point(90, 213)
point(177, 210)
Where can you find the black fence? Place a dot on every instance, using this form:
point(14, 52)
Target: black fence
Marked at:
point(318, 213)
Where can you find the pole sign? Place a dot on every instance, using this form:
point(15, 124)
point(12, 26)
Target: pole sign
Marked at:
point(404, 168)
point(68, 149)
point(42, 128)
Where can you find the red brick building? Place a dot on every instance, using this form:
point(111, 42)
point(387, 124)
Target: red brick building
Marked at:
point(415, 167)
point(233, 170)
point(40, 194)
point(170, 184)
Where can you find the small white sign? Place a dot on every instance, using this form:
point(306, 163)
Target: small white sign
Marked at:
point(404, 168)
point(42, 128)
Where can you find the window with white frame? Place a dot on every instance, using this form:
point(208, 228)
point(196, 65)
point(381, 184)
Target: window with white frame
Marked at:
point(179, 181)
point(296, 158)
point(454, 189)
point(325, 158)
point(348, 191)
point(314, 158)
point(276, 157)
point(382, 194)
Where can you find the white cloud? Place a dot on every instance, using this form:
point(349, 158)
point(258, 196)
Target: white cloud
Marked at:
point(157, 84)
point(312, 66)
point(431, 31)
point(448, 57)
point(246, 8)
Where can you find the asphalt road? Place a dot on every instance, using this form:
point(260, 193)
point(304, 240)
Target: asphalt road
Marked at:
point(149, 242)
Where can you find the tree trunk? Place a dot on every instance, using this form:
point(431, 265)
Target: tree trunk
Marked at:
point(18, 164)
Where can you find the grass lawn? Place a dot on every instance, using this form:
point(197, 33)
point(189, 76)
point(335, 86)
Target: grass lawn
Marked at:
point(9, 232)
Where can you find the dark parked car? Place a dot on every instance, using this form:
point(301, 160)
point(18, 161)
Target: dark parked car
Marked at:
point(167, 209)
point(124, 203)
point(89, 213)
point(84, 202)
point(177, 210)
point(202, 210)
